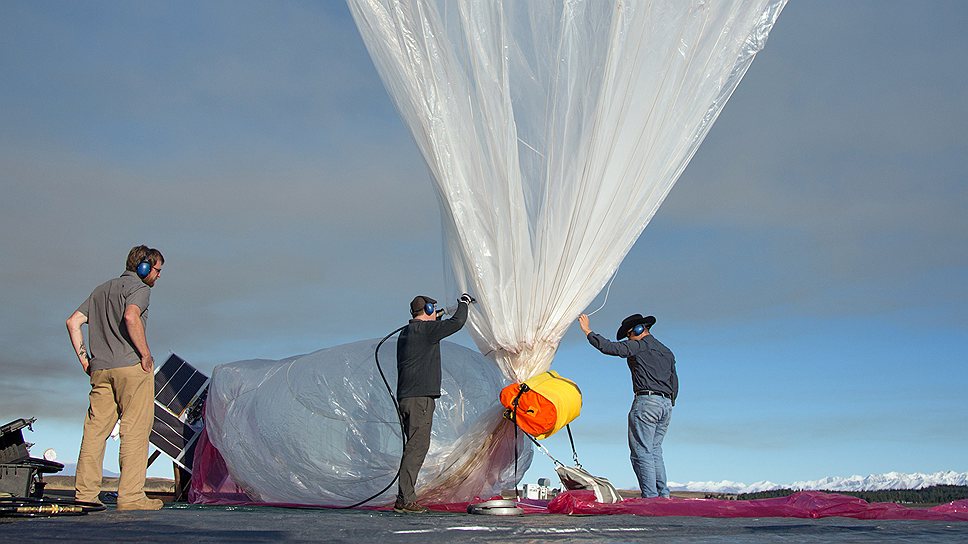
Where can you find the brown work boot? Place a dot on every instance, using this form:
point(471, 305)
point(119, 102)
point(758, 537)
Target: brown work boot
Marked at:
point(409, 508)
point(143, 504)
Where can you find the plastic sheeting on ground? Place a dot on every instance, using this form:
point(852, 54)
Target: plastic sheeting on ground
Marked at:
point(320, 429)
point(805, 504)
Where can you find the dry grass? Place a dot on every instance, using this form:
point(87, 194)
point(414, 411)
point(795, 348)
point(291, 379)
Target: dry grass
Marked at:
point(153, 485)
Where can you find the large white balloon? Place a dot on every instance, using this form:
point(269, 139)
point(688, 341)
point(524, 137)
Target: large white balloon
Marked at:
point(321, 429)
point(553, 131)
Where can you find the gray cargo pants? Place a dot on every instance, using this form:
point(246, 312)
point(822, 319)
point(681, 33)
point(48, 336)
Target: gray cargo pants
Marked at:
point(418, 418)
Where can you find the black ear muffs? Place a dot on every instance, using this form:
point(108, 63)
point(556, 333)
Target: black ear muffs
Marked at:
point(637, 330)
point(143, 269)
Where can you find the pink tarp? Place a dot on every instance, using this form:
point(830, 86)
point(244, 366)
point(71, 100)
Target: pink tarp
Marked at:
point(805, 504)
point(211, 484)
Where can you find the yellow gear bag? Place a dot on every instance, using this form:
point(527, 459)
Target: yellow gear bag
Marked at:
point(543, 404)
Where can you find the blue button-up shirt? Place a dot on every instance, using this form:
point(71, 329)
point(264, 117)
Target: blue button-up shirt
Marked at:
point(653, 365)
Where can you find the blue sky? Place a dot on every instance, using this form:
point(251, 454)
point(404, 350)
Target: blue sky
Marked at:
point(809, 268)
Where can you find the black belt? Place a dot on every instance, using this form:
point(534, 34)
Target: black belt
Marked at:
point(659, 393)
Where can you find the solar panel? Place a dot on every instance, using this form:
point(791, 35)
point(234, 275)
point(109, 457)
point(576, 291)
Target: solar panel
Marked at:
point(177, 384)
point(173, 437)
point(180, 392)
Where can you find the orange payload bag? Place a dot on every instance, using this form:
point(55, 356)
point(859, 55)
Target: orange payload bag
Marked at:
point(547, 403)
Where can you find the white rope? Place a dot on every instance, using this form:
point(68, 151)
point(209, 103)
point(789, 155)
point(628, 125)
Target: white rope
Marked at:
point(606, 292)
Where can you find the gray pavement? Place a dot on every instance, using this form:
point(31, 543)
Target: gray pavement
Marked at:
point(189, 524)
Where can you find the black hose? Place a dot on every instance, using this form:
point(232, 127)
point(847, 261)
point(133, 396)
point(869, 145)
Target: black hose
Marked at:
point(396, 407)
point(31, 507)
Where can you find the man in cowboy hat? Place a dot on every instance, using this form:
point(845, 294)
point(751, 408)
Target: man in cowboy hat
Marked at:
point(418, 384)
point(656, 387)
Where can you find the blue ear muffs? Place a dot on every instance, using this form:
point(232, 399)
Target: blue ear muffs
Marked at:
point(429, 309)
point(143, 269)
point(637, 330)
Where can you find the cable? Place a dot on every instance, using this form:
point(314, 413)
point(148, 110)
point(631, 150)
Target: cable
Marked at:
point(606, 292)
point(396, 407)
point(31, 507)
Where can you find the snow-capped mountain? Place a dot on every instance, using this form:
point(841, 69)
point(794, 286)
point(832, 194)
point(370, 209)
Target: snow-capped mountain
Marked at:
point(889, 480)
point(725, 486)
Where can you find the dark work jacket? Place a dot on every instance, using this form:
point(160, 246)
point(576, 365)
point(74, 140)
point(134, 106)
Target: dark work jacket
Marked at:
point(653, 365)
point(418, 354)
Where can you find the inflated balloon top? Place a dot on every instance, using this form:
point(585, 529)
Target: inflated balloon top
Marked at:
point(553, 131)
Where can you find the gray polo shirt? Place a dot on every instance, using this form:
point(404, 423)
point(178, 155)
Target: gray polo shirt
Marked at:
point(109, 344)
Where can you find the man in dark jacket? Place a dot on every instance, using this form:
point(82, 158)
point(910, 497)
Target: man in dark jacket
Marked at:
point(656, 387)
point(418, 384)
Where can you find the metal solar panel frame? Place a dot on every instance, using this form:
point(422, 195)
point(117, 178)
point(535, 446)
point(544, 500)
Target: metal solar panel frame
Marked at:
point(180, 390)
point(178, 385)
point(174, 437)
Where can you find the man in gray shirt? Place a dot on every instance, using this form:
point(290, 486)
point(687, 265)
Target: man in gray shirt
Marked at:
point(656, 386)
point(120, 366)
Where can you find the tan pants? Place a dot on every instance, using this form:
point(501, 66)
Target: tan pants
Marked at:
point(127, 393)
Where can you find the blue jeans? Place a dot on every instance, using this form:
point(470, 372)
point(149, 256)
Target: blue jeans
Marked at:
point(648, 422)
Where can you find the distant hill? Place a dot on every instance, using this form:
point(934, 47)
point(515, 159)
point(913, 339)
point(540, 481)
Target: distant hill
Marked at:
point(935, 494)
point(152, 485)
point(873, 482)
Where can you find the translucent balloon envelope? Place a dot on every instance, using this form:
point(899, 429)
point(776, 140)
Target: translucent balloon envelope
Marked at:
point(320, 429)
point(553, 131)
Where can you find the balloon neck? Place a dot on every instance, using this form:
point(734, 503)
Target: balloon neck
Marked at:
point(525, 361)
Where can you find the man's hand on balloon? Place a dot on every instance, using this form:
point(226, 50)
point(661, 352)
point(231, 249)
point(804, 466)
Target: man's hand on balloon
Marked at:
point(466, 299)
point(585, 324)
